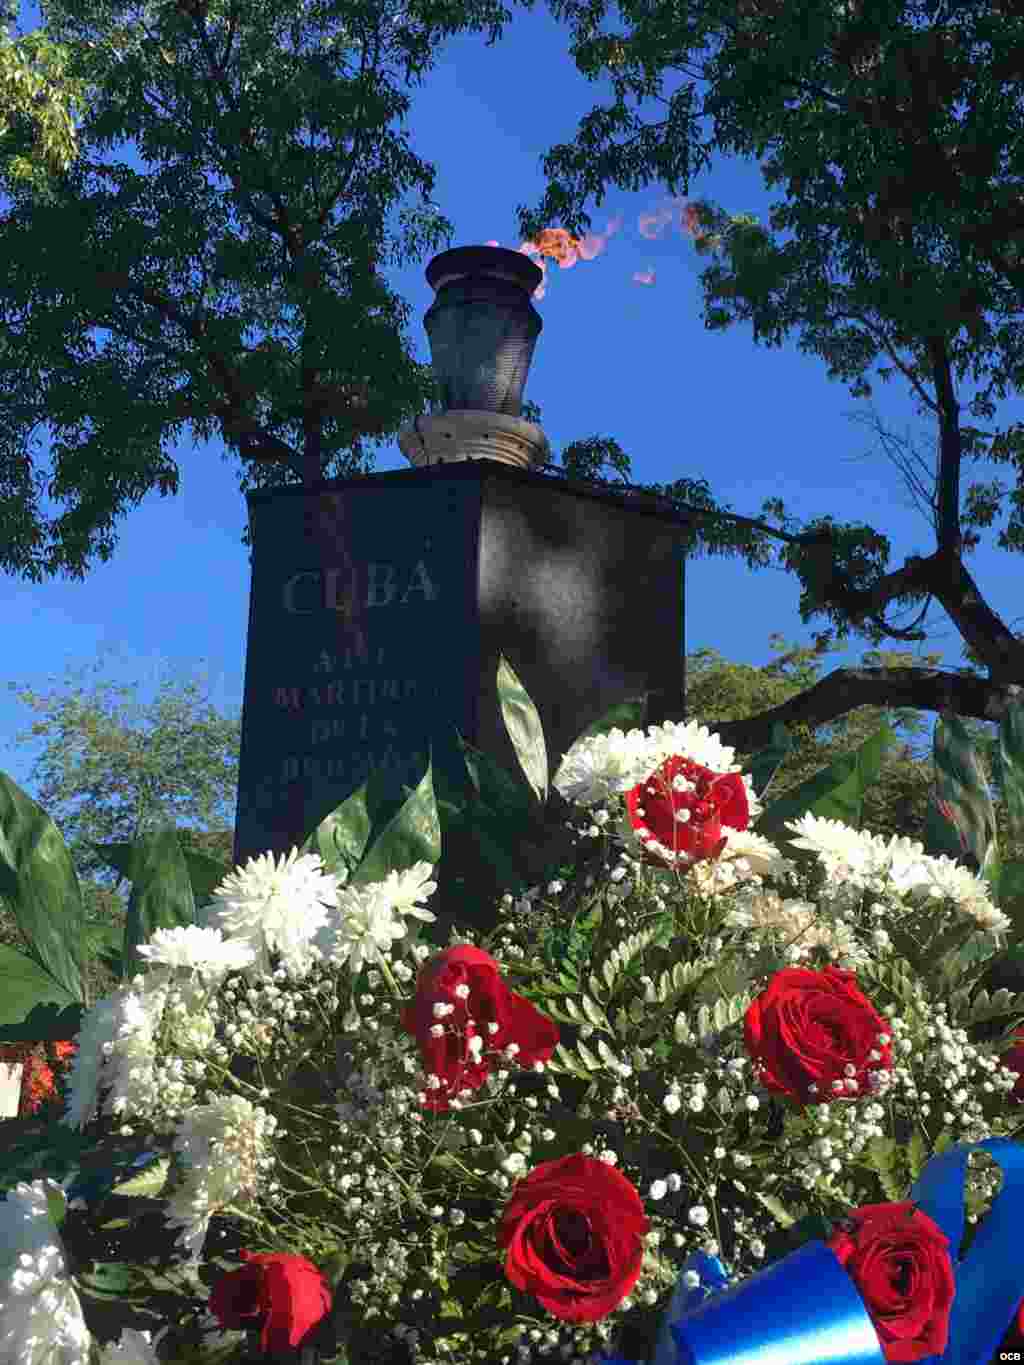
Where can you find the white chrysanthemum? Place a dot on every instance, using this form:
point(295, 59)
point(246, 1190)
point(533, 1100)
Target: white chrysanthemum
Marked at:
point(116, 1051)
point(902, 861)
point(41, 1321)
point(970, 892)
point(367, 919)
point(276, 907)
point(202, 950)
point(224, 1152)
point(99, 1026)
point(133, 1349)
point(693, 741)
point(129, 1068)
point(763, 858)
point(831, 840)
point(602, 766)
point(405, 890)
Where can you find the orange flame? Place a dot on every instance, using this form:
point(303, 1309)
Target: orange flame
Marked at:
point(559, 245)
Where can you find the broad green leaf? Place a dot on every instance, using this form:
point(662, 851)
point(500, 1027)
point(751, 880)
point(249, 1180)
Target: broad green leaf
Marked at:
point(764, 765)
point(106, 945)
point(412, 835)
point(836, 793)
point(524, 728)
point(100, 937)
point(1009, 895)
point(495, 785)
point(161, 896)
point(24, 985)
point(39, 886)
point(341, 836)
point(960, 806)
point(205, 874)
point(117, 855)
point(1010, 755)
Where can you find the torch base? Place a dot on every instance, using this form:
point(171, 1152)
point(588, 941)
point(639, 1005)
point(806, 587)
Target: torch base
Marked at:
point(468, 434)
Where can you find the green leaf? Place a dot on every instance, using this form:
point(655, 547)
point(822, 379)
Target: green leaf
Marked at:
point(150, 1182)
point(776, 1208)
point(497, 789)
point(104, 941)
point(960, 821)
point(39, 886)
point(412, 835)
point(24, 987)
point(524, 728)
point(205, 874)
point(341, 836)
point(1008, 894)
point(942, 1142)
point(882, 1156)
point(836, 793)
point(161, 896)
point(1010, 754)
point(764, 765)
point(106, 1279)
point(917, 1154)
point(56, 1205)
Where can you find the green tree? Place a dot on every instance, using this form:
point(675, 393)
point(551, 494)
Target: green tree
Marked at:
point(892, 129)
point(38, 103)
point(109, 774)
point(233, 288)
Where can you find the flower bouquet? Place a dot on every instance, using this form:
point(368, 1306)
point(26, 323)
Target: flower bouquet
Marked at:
point(703, 1096)
point(42, 1065)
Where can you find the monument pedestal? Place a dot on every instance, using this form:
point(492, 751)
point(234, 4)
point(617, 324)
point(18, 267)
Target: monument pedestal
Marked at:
point(379, 608)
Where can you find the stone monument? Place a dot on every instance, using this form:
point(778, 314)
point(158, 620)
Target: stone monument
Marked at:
point(380, 604)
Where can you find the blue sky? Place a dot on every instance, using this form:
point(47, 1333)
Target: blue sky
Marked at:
point(616, 357)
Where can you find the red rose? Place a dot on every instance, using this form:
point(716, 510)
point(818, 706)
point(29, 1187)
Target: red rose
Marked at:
point(284, 1296)
point(573, 1232)
point(807, 1027)
point(488, 1001)
point(717, 799)
point(899, 1260)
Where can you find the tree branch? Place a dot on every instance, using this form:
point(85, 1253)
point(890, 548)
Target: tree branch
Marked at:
point(949, 447)
point(923, 689)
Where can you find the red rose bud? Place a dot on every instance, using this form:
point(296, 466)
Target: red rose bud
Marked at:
point(717, 799)
point(485, 1000)
point(284, 1296)
point(573, 1232)
point(899, 1260)
point(810, 1028)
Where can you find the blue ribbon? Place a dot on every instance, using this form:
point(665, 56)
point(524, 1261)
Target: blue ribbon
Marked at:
point(806, 1309)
